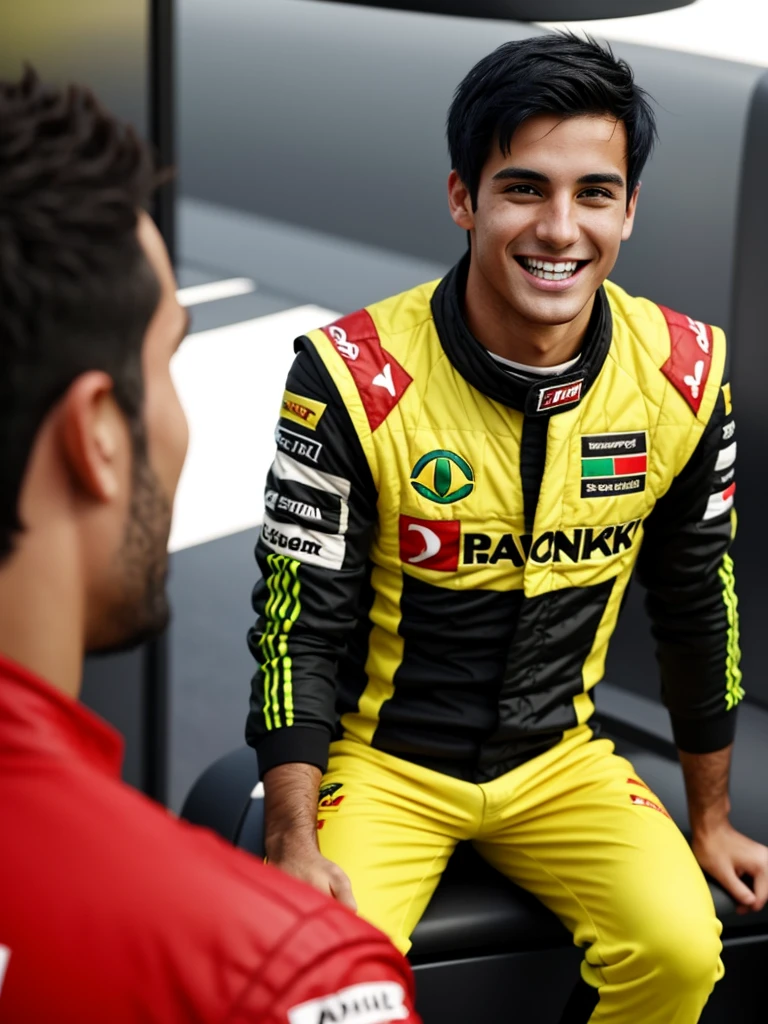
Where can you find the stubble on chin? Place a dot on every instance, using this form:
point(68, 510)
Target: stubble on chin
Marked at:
point(135, 607)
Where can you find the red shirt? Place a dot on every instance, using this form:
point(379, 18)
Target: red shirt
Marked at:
point(113, 911)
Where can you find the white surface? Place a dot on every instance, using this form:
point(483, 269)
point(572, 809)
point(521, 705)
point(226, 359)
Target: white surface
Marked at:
point(197, 294)
point(230, 381)
point(733, 30)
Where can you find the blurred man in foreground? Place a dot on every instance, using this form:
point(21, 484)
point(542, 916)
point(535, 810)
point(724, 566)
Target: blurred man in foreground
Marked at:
point(110, 910)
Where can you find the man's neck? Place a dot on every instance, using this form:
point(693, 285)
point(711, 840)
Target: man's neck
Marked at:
point(41, 622)
point(502, 331)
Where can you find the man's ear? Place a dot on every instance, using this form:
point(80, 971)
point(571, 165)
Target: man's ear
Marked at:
point(93, 435)
point(629, 216)
point(460, 202)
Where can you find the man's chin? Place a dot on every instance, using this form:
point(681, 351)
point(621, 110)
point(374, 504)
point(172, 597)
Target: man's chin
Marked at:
point(556, 310)
point(131, 638)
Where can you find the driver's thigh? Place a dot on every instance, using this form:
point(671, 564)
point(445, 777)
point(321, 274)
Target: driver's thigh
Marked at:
point(391, 826)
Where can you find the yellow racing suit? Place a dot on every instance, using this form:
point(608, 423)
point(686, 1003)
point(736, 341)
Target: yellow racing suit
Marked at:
point(445, 551)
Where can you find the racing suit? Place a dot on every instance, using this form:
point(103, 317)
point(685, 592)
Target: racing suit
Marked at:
point(445, 550)
point(113, 911)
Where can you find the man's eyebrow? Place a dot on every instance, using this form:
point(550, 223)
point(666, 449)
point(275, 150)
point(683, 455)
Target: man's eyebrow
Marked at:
point(526, 174)
point(601, 178)
point(520, 172)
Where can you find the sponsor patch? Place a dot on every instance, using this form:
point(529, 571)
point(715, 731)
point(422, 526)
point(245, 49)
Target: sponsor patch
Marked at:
point(295, 444)
point(441, 545)
point(5, 956)
point(613, 464)
point(690, 358)
point(430, 544)
point(374, 1002)
point(725, 457)
point(290, 502)
point(306, 411)
point(598, 446)
point(381, 381)
point(720, 503)
point(443, 477)
point(311, 547)
point(558, 395)
point(729, 429)
point(286, 468)
point(329, 797)
point(643, 801)
point(584, 544)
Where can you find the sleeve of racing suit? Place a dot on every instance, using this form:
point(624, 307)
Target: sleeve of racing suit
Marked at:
point(355, 978)
point(686, 567)
point(320, 506)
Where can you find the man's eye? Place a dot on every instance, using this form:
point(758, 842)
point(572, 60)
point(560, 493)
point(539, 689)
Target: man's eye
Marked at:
point(596, 193)
point(522, 190)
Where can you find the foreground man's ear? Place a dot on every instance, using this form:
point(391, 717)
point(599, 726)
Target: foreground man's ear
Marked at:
point(93, 431)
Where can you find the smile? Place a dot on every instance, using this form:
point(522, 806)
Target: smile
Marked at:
point(546, 270)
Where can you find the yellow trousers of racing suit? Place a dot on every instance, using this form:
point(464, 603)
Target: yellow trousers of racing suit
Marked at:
point(574, 826)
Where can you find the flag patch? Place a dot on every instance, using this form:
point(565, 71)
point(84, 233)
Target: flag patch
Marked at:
point(613, 464)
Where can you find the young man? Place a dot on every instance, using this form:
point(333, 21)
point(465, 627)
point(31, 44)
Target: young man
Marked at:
point(464, 476)
point(110, 910)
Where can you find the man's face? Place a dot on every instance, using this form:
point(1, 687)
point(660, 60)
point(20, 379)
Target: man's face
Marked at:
point(136, 605)
point(550, 217)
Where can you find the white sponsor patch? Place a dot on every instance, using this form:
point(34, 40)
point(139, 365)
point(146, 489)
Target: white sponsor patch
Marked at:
point(311, 547)
point(729, 430)
point(5, 956)
point(370, 1003)
point(286, 468)
point(726, 457)
point(719, 503)
point(297, 444)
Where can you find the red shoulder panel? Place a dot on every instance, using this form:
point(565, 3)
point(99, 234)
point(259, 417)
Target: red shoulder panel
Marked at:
point(380, 379)
point(690, 358)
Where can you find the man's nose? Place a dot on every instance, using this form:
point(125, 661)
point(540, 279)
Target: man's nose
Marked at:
point(557, 227)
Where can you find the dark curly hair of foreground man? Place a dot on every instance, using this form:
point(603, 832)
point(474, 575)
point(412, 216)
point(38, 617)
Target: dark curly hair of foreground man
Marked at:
point(111, 911)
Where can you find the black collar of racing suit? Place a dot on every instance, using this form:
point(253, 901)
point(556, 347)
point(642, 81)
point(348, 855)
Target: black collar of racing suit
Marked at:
point(540, 397)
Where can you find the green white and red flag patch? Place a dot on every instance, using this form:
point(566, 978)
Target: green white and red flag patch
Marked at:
point(613, 464)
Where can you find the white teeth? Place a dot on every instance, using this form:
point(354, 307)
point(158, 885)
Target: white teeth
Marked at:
point(550, 271)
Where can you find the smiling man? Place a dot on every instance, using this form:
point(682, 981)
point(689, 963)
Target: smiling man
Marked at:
point(453, 520)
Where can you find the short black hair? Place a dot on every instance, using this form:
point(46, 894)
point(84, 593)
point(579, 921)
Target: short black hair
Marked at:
point(77, 292)
point(553, 73)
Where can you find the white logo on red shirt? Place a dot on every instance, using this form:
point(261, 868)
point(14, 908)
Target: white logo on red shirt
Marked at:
point(374, 1002)
point(5, 956)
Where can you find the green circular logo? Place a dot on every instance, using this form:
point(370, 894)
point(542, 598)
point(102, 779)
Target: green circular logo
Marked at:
point(443, 477)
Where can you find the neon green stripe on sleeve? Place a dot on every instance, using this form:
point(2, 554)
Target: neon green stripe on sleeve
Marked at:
point(734, 691)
